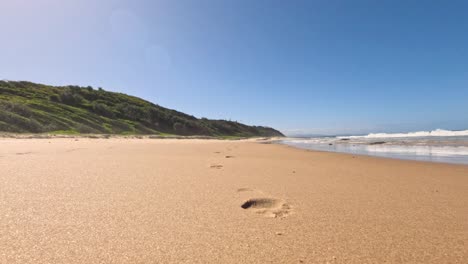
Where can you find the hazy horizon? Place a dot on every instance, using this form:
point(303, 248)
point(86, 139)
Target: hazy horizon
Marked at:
point(321, 67)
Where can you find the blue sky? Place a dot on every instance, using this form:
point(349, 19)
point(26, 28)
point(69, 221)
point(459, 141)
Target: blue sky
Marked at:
point(325, 67)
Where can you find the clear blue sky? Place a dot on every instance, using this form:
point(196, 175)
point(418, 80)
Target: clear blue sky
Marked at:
point(324, 66)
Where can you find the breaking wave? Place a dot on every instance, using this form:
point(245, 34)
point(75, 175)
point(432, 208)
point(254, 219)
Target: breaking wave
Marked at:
point(433, 133)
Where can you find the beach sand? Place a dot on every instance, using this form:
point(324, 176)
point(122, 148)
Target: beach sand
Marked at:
point(210, 201)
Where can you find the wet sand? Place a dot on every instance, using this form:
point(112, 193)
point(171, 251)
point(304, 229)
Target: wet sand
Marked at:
point(209, 201)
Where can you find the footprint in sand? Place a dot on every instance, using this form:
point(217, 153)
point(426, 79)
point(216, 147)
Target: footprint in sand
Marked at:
point(216, 166)
point(266, 206)
point(23, 153)
point(72, 150)
point(245, 190)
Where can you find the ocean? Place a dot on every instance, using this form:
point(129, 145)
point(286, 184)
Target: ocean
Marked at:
point(435, 146)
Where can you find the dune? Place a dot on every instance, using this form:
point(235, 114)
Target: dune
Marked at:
point(120, 200)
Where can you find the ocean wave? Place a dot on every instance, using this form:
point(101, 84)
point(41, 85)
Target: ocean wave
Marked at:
point(309, 140)
point(411, 150)
point(433, 133)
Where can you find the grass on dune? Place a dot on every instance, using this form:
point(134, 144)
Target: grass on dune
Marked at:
point(27, 107)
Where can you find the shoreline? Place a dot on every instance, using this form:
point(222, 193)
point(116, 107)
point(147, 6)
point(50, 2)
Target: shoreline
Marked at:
point(261, 140)
point(224, 201)
point(426, 153)
point(373, 156)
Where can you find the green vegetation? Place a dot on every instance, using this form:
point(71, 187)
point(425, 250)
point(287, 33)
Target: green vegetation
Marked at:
point(27, 107)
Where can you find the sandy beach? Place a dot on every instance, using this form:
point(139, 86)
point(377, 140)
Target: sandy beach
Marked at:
point(123, 200)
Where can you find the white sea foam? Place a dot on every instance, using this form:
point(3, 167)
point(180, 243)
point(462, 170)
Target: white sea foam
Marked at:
point(419, 150)
point(310, 140)
point(433, 133)
point(440, 150)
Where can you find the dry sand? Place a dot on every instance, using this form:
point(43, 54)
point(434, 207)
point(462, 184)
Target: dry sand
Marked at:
point(208, 201)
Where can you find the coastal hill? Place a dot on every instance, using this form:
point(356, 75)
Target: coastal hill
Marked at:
point(27, 107)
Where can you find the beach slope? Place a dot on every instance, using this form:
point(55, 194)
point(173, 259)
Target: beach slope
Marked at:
point(212, 201)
